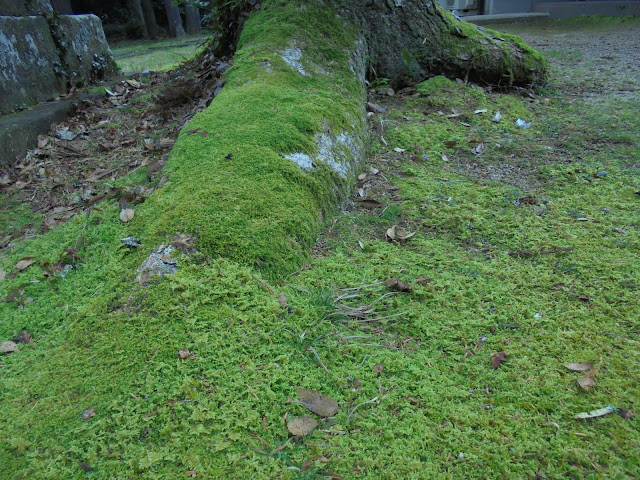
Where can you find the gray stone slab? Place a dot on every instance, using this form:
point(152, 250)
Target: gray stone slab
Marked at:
point(12, 7)
point(504, 18)
point(87, 55)
point(19, 131)
point(573, 9)
point(28, 63)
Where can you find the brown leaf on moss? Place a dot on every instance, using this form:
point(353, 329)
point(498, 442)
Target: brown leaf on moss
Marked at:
point(23, 337)
point(625, 413)
point(283, 300)
point(579, 367)
point(497, 359)
point(126, 215)
point(587, 381)
point(184, 353)
point(399, 286)
point(316, 402)
point(301, 426)
point(25, 262)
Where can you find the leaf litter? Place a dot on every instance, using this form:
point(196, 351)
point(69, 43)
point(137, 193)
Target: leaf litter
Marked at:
point(106, 138)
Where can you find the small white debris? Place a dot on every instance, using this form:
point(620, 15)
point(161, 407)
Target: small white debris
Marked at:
point(497, 117)
point(520, 123)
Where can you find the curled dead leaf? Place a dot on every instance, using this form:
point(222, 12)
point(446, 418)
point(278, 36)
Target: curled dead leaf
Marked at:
point(126, 215)
point(399, 286)
point(283, 300)
point(391, 233)
point(23, 337)
point(587, 381)
point(625, 413)
point(402, 234)
point(316, 402)
point(497, 359)
point(184, 353)
point(25, 262)
point(301, 426)
point(579, 367)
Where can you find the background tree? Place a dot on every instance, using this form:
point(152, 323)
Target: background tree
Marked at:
point(192, 20)
point(174, 19)
point(150, 18)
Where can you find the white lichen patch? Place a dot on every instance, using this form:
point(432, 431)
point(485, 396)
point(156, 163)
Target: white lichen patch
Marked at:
point(303, 160)
point(337, 152)
point(292, 57)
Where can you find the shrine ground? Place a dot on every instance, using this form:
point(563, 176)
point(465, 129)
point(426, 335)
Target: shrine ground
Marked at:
point(521, 247)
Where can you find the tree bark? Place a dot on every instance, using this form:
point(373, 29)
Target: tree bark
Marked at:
point(192, 19)
point(135, 6)
point(150, 18)
point(410, 40)
point(175, 21)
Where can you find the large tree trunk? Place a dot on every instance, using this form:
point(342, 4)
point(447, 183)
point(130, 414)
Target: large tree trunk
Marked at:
point(410, 40)
point(192, 19)
point(150, 18)
point(175, 21)
point(135, 6)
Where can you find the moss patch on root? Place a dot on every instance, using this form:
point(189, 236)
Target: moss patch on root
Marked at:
point(233, 189)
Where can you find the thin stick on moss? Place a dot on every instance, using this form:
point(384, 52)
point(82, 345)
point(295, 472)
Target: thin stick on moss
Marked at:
point(373, 400)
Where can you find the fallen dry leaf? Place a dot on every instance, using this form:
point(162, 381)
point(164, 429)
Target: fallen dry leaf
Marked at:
point(579, 367)
point(399, 286)
point(23, 337)
point(316, 402)
point(379, 368)
point(391, 233)
point(88, 413)
point(283, 300)
point(8, 347)
point(423, 279)
point(497, 359)
point(184, 353)
point(625, 413)
point(127, 214)
point(402, 234)
point(25, 262)
point(301, 426)
point(587, 381)
point(3, 274)
point(369, 203)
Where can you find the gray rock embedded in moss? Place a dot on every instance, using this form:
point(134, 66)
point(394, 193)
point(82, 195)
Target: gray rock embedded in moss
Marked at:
point(157, 264)
point(29, 64)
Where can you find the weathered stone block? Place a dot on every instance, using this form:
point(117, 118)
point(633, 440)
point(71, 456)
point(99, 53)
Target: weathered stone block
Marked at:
point(30, 69)
point(12, 7)
point(87, 56)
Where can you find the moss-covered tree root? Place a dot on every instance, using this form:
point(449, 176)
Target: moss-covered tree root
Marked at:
point(276, 149)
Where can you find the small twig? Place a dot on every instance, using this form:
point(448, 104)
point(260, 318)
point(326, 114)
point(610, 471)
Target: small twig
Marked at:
point(266, 287)
point(373, 400)
point(320, 361)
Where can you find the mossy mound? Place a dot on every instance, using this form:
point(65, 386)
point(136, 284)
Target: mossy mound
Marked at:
point(230, 183)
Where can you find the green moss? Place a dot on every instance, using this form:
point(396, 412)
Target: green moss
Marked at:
point(233, 189)
point(415, 386)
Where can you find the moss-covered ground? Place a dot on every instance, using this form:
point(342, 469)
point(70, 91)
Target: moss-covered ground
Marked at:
point(136, 56)
point(530, 248)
